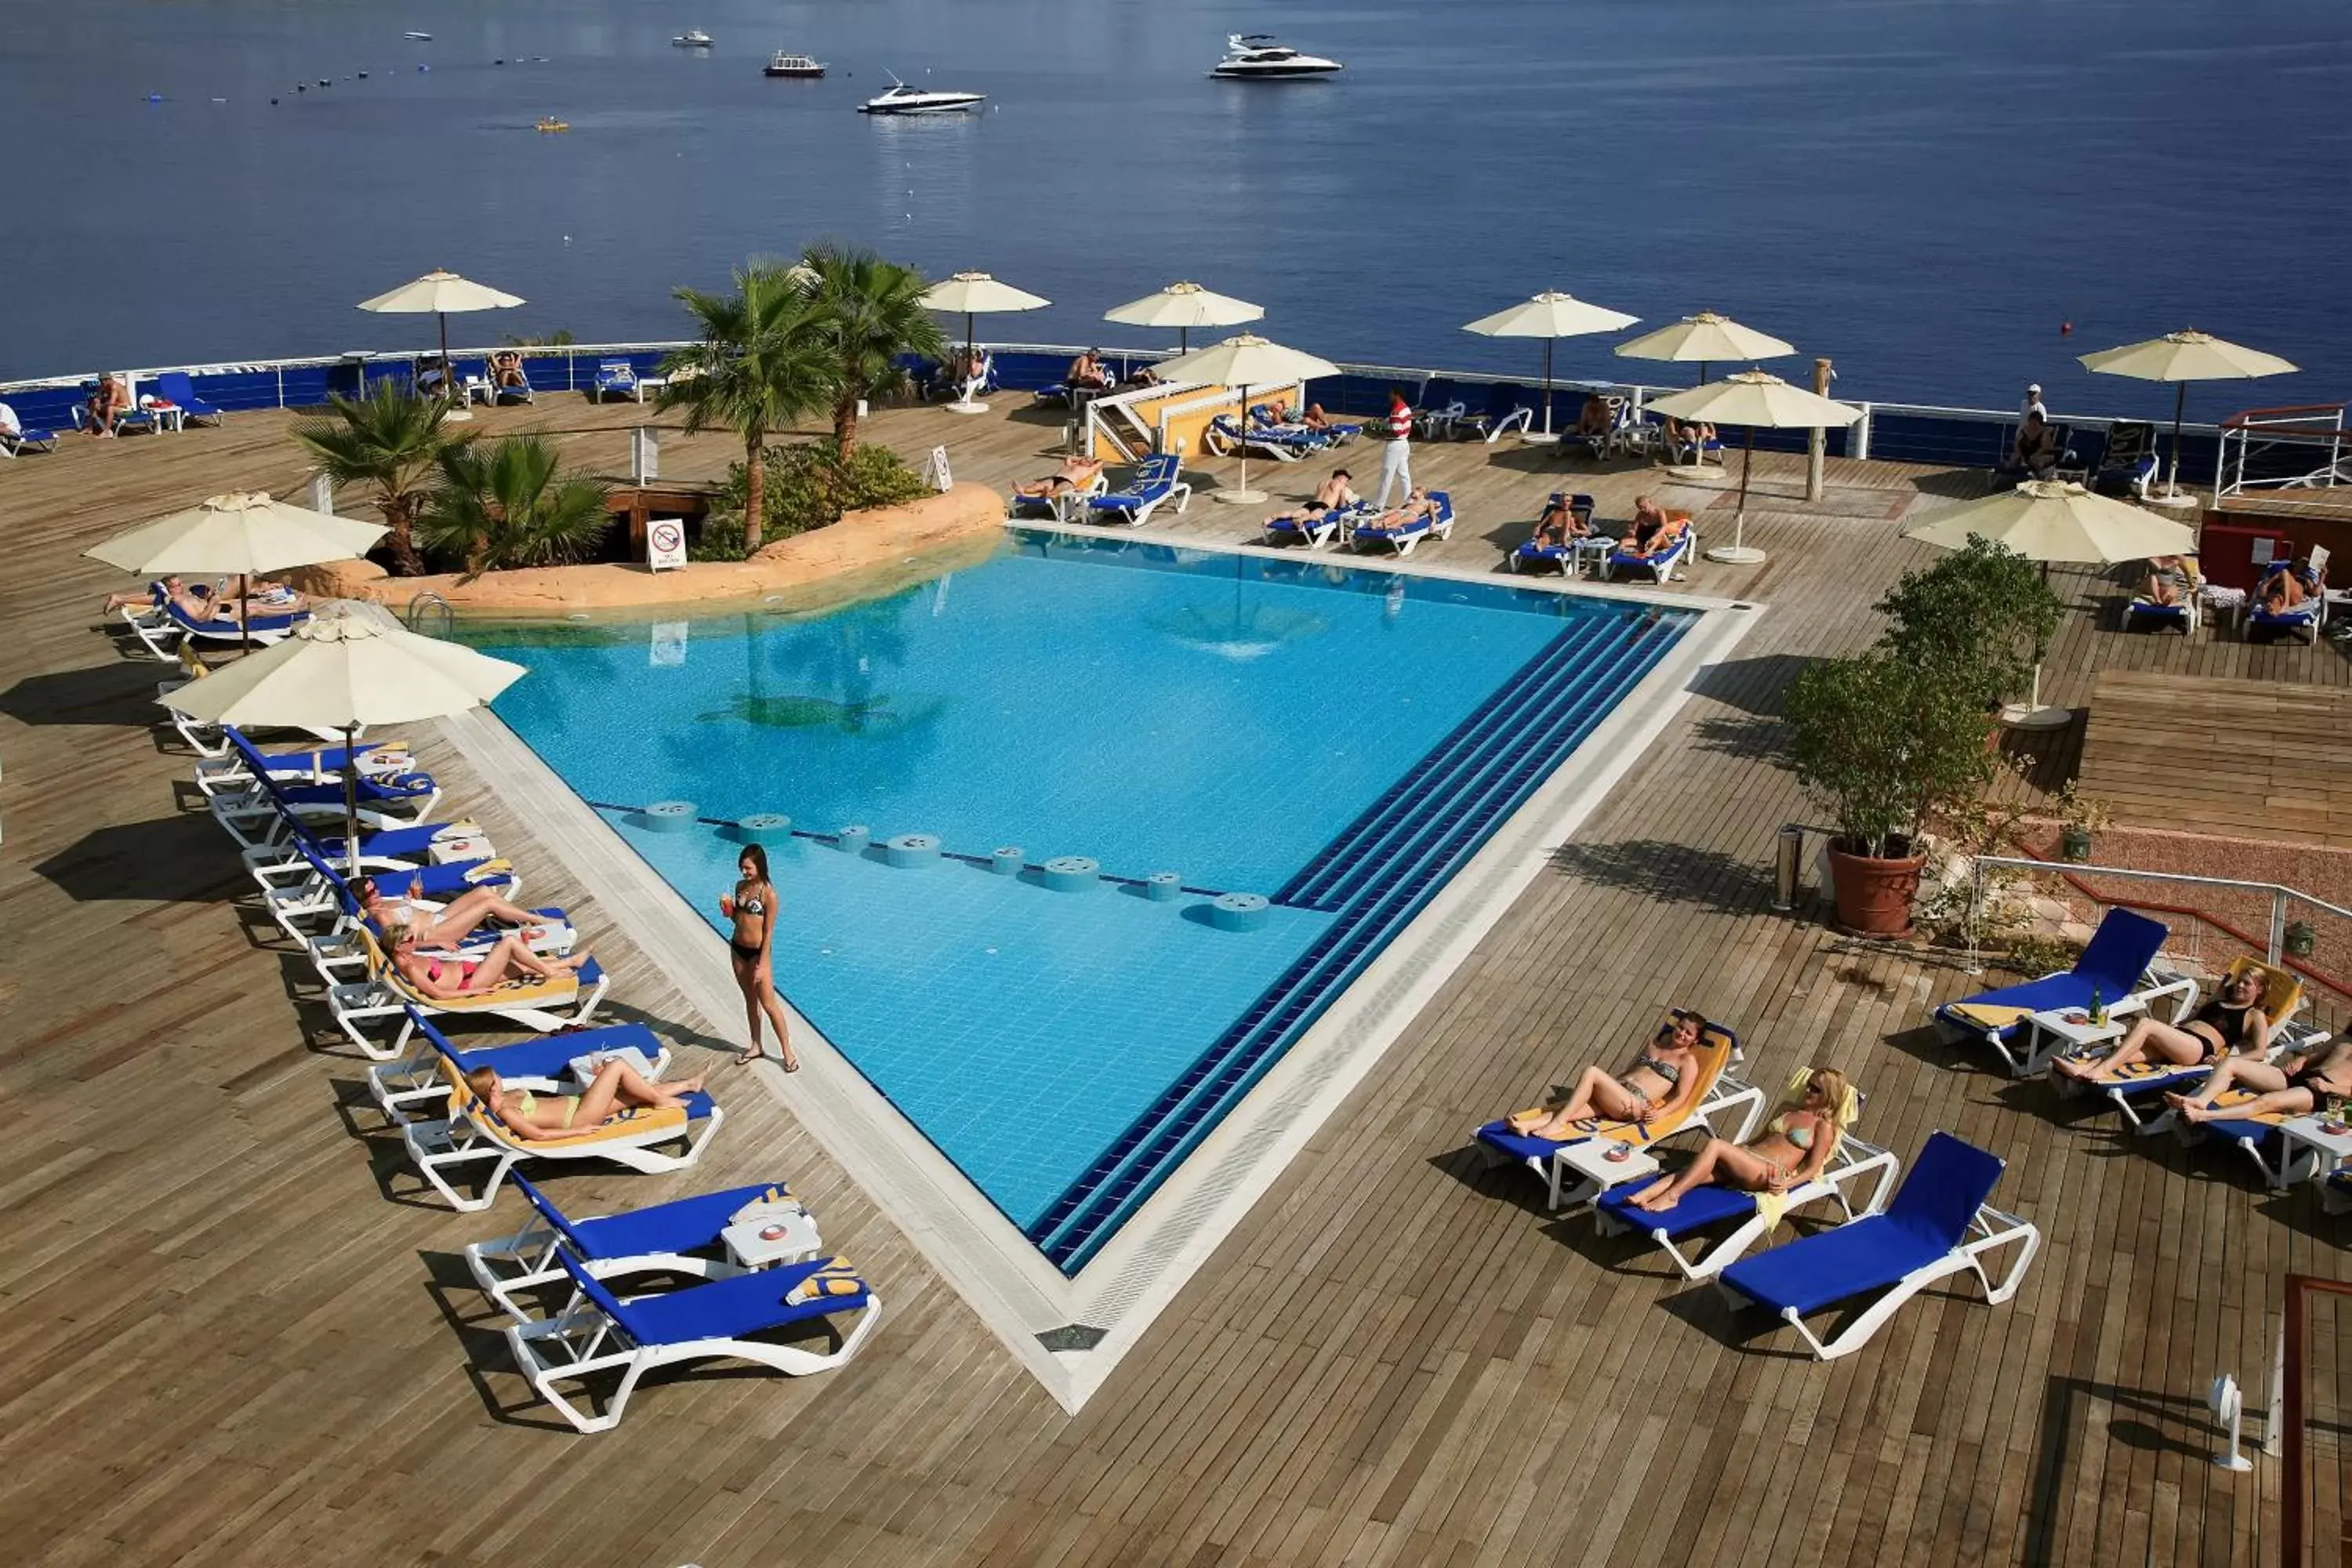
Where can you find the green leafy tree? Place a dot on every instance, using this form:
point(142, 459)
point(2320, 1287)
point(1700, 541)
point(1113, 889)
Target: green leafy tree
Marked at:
point(390, 443)
point(874, 314)
point(1885, 744)
point(504, 504)
point(1982, 616)
point(766, 359)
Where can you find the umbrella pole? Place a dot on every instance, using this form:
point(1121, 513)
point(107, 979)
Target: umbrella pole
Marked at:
point(1740, 552)
point(1245, 494)
point(351, 803)
point(964, 403)
point(448, 375)
point(1547, 389)
point(243, 627)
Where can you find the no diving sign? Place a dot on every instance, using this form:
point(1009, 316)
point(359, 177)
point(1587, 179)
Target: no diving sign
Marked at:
point(666, 543)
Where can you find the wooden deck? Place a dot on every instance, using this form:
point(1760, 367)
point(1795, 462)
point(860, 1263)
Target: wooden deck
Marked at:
point(230, 1336)
point(2244, 758)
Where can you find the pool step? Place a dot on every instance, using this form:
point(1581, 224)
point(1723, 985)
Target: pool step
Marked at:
point(1374, 876)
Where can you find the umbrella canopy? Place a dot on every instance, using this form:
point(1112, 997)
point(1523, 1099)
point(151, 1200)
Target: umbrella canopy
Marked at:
point(978, 294)
point(1705, 338)
point(441, 293)
point(1185, 306)
point(1759, 400)
point(1245, 361)
point(342, 671)
point(2181, 358)
point(238, 536)
point(2186, 356)
point(1549, 315)
point(2044, 520)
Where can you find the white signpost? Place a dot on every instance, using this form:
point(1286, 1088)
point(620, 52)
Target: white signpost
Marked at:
point(941, 479)
point(665, 543)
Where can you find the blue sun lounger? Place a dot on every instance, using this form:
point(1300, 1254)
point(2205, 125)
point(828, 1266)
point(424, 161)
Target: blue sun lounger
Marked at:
point(1659, 564)
point(319, 894)
point(244, 761)
point(1709, 1208)
point(599, 1333)
point(27, 439)
point(2303, 620)
point(1936, 1226)
point(1297, 528)
point(1155, 482)
point(262, 811)
point(398, 1085)
point(614, 378)
point(681, 1237)
point(175, 387)
point(2116, 964)
point(1400, 537)
point(1531, 554)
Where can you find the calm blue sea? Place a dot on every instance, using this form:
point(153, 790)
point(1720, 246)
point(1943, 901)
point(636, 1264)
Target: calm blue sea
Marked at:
point(1924, 190)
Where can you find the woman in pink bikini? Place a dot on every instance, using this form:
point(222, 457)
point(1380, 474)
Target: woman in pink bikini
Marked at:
point(444, 978)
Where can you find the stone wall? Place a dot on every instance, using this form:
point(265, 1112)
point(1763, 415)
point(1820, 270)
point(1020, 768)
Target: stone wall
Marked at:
point(966, 519)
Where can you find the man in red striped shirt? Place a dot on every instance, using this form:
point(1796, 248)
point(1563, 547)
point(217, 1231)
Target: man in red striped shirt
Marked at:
point(1396, 452)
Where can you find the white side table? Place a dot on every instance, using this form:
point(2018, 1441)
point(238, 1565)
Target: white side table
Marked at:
point(469, 847)
point(794, 1239)
point(2311, 1149)
point(1597, 1172)
point(2064, 1029)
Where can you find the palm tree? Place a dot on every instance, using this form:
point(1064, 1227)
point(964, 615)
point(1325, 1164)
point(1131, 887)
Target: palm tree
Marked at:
point(503, 504)
point(390, 442)
point(874, 315)
point(764, 361)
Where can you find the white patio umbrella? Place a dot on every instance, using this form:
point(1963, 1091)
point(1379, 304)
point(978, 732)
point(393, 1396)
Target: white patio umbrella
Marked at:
point(1549, 315)
point(1244, 362)
point(1705, 338)
point(241, 535)
point(2045, 520)
point(1185, 306)
point(1754, 399)
point(441, 293)
point(2181, 358)
point(970, 294)
point(346, 669)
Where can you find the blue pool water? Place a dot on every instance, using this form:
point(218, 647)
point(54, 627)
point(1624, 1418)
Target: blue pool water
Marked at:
point(1338, 741)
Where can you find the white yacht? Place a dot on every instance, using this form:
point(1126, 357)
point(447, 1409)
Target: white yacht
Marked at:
point(1255, 57)
point(904, 99)
point(785, 63)
point(692, 38)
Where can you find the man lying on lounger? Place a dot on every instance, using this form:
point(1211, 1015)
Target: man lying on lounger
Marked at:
point(1336, 490)
point(1418, 507)
point(265, 598)
point(1656, 528)
point(1795, 1149)
point(1662, 1078)
point(617, 1087)
point(1075, 473)
point(1086, 374)
point(1594, 421)
point(2319, 1075)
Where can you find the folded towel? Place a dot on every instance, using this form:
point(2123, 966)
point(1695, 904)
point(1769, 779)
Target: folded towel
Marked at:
point(1990, 1016)
point(838, 1278)
point(776, 1203)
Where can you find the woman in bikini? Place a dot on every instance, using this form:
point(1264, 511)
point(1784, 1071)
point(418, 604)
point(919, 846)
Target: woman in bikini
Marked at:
point(1795, 1147)
point(1661, 1079)
point(2231, 1023)
point(616, 1087)
point(453, 922)
point(445, 978)
point(1073, 474)
point(752, 907)
point(2318, 1074)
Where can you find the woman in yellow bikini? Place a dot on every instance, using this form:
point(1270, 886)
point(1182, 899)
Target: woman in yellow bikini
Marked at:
point(617, 1087)
point(1795, 1148)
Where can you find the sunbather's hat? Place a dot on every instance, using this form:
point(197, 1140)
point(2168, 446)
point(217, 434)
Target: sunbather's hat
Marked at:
point(2033, 388)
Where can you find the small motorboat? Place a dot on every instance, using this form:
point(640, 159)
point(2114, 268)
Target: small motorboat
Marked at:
point(419, 37)
point(783, 64)
point(904, 99)
point(692, 38)
point(548, 122)
point(1255, 57)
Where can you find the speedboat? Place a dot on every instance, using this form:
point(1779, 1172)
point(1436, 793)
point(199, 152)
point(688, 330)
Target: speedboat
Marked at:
point(904, 99)
point(692, 38)
point(548, 122)
point(1255, 57)
point(420, 38)
point(783, 64)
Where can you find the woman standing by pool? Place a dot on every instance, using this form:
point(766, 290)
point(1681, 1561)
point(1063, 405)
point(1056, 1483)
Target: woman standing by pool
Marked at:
point(752, 907)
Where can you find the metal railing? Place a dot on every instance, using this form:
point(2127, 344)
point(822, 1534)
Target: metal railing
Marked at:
point(2300, 447)
point(426, 603)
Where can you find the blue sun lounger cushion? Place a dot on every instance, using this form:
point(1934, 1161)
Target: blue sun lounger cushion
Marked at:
point(2114, 965)
point(175, 387)
point(1938, 1226)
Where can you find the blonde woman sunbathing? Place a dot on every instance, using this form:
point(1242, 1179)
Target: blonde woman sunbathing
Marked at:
point(1662, 1080)
point(2232, 1022)
point(1795, 1147)
point(616, 1087)
point(442, 977)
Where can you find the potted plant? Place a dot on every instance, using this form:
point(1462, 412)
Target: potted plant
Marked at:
point(2300, 938)
point(1982, 616)
point(2079, 817)
point(1884, 744)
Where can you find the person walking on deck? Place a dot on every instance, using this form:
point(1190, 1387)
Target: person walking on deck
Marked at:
point(1396, 452)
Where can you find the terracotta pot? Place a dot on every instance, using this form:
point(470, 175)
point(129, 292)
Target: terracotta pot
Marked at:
point(1875, 896)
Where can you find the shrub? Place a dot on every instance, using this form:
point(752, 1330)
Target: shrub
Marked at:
point(1981, 615)
point(808, 486)
point(503, 504)
point(1885, 744)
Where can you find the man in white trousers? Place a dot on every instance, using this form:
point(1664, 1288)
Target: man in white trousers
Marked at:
point(1396, 452)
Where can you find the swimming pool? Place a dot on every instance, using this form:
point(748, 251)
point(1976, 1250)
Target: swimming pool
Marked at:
point(1336, 741)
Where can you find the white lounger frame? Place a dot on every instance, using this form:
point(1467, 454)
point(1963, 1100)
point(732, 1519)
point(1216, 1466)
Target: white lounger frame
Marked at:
point(582, 1341)
point(1989, 1231)
point(1854, 1160)
point(2039, 1050)
point(508, 1265)
point(441, 1146)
